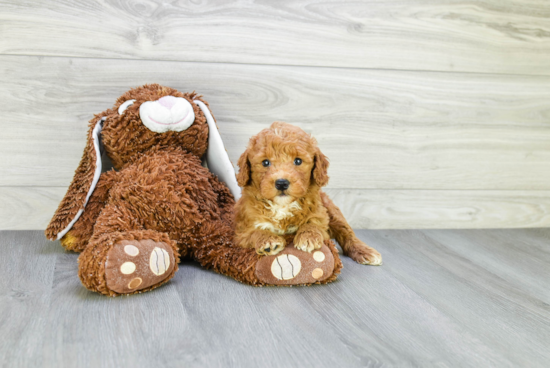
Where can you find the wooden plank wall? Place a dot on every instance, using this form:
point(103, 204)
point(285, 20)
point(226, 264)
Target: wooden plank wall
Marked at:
point(435, 114)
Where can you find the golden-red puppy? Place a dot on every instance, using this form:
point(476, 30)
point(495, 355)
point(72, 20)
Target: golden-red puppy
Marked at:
point(282, 172)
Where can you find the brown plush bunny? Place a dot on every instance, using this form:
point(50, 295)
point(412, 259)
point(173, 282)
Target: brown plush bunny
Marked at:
point(132, 225)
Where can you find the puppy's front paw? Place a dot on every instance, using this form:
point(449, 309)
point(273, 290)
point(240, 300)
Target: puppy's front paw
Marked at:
point(271, 245)
point(308, 241)
point(363, 254)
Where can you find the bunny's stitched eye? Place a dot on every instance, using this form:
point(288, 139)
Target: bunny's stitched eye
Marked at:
point(266, 163)
point(297, 161)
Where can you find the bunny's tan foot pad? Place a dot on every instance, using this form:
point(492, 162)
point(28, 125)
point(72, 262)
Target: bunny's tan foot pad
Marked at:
point(296, 267)
point(134, 265)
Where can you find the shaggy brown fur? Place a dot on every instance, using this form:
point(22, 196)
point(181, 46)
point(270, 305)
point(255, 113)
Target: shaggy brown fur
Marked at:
point(159, 193)
point(265, 213)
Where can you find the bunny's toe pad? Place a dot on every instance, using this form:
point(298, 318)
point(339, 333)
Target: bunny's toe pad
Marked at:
point(296, 267)
point(134, 265)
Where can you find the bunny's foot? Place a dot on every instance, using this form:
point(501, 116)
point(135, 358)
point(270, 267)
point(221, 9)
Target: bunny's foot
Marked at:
point(126, 263)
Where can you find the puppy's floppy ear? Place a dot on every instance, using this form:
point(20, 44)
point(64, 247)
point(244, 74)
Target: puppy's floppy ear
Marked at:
point(320, 168)
point(243, 177)
point(85, 179)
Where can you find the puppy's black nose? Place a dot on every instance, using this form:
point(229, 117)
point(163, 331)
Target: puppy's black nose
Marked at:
point(282, 184)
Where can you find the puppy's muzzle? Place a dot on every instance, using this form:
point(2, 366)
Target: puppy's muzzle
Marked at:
point(282, 184)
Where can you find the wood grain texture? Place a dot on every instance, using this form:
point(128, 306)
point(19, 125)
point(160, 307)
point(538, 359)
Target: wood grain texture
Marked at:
point(27, 269)
point(380, 129)
point(442, 298)
point(32, 208)
point(442, 209)
point(446, 269)
point(454, 35)
point(28, 207)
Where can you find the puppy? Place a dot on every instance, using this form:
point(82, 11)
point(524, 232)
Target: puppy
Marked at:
point(281, 173)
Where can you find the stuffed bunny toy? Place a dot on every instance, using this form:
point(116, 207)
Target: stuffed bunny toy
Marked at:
point(171, 195)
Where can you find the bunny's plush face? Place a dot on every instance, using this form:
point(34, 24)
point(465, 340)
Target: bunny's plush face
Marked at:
point(144, 120)
point(151, 116)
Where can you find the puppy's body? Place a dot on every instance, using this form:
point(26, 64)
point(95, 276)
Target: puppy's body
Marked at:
point(262, 223)
point(282, 172)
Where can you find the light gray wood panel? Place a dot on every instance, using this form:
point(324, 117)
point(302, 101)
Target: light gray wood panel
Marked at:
point(27, 265)
point(381, 129)
point(443, 209)
point(96, 331)
point(454, 35)
point(519, 272)
point(32, 208)
point(442, 298)
point(452, 277)
point(26, 208)
point(358, 321)
point(260, 319)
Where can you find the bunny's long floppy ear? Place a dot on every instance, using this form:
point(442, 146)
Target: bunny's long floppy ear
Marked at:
point(85, 179)
point(217, 158)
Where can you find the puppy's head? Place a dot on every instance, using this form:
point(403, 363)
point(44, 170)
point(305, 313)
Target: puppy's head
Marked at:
point(282, 162)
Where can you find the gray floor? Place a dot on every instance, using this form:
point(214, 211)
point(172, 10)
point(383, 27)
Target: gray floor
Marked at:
point(442, 298)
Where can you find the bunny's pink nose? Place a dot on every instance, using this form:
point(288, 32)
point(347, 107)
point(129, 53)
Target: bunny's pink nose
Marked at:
point(168, 101)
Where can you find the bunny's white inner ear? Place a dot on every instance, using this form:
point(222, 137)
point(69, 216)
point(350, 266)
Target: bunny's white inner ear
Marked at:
point(217, 158)
point(96, 134)
point(122, 108)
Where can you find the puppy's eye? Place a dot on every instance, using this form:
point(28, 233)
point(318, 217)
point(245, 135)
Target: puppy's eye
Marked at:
point(266, 163)
point(297, 161)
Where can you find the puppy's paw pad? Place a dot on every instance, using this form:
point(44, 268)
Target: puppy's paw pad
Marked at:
point(134, 265)
point(304, 246)
point(366, 255)
point(271, 247)
point(308, 244)
point(308, 241)
point(375, 260)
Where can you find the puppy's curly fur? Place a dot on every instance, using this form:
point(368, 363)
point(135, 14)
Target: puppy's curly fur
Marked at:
point(282, 172)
